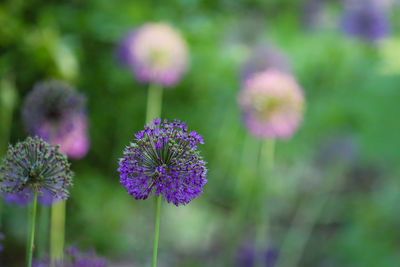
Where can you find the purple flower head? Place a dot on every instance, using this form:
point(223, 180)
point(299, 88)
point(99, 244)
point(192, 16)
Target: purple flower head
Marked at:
point(272, 104)
point(34, 165)
point(56, 113)
point(164, 160)
point(248, 256)
point(366, 20)
point(265, 57)
point(156, 53)
point(73, 257)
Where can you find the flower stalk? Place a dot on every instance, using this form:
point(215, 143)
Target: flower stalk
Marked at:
point(57, 234)
point(156, 231)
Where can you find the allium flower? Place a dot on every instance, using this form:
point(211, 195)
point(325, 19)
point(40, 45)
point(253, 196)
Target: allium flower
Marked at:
point(366, 20)
point(56, 113)
point(272, 104)
point(73, 257)
point(34, 165)
point(156, 53)
point(164, 160)
point(265, 57)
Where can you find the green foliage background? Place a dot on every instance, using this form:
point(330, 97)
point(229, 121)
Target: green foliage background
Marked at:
point(351, 87)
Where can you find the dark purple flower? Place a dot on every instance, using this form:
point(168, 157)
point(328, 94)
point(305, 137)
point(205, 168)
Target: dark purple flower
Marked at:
point(34, 165)
point(56, 113)
point(73, 257)
point(265, 57)
point(164, 160)
point(366, 20)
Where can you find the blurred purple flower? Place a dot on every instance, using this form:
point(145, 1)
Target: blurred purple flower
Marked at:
point(35, 165)
point(73, 257)
point(56, 113)
point(156, 53)
point(247, 256)
point(164, 160)
point(341, 149)
point(272, 104)
point(265, 57)
point(2, 237)
point(366, 20)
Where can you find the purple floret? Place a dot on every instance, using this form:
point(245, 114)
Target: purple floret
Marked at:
point(164, 160)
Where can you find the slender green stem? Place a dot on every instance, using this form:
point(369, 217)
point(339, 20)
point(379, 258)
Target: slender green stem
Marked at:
point(32, 238)
point(267, 155)
point(42, 237)
point(156, 231)
point(154, 102)
point(57, 233)
point(265, 166)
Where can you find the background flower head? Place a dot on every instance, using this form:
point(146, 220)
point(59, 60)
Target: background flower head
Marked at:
point(272, 104)
point(164, 160)
point(34, 165)
point(366, 20)
point(265, 57)
point(156, 53)
point(56, 113)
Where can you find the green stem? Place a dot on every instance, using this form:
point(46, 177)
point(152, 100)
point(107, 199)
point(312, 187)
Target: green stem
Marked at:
point(156, 231)
point(154, 102)
point(267, 155)
point(32, 238)
point(42, 239)
point(57, 233)
point(265, 166)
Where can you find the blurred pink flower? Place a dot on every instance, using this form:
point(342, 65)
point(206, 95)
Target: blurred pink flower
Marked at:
point(55, 112)
point(272, 104)
point(73, 138)
point(156, 52)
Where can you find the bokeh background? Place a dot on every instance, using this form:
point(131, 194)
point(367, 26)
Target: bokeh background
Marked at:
point(333, 196)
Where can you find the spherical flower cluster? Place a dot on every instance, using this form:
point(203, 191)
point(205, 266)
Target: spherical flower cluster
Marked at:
point(265, 57)
point(367, 20)
point(164, 160)
point(73, 257)
point(56, 113)
point(272, 104)
point(156, 53)
point(34, 165)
